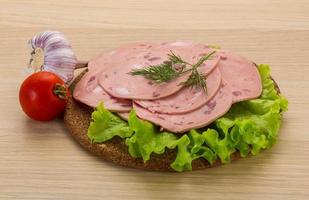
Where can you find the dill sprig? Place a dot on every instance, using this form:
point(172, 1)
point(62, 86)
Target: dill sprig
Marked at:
point(159, 73)
point(176, 59)
point(174, 67)
point(196, 79)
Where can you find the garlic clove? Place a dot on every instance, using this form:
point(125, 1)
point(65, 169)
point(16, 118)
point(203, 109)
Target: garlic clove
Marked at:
point(37, 59)
point(51, 51)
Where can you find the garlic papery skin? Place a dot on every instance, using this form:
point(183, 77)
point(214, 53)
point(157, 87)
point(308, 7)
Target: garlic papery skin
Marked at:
point(51, 51)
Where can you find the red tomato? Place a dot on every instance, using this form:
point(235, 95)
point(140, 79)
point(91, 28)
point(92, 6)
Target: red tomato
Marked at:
point(43, 95)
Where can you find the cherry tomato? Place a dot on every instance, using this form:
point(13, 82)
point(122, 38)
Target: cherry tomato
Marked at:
point(43, 96)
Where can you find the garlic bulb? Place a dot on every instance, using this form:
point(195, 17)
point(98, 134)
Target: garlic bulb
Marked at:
point(51, 51)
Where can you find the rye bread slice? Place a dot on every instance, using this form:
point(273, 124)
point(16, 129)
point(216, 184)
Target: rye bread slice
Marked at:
point(77, 118)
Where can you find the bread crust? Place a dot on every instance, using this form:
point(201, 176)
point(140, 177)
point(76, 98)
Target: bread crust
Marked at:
point(77, 118)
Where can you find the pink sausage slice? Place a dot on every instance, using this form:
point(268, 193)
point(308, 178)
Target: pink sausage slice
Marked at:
point(241, 75)
point(89, 92)
point(104, 60)
point(201, 117)
point(186, 99)
point(124, 115)
point(117, 81)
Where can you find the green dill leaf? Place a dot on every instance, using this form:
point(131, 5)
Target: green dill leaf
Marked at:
point(173, 68)
point(172, 57)
point(196, 79)
point(158, 73)
point(204, 58)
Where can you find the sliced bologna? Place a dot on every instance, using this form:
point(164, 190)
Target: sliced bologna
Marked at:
point(186, 99)
point(117, 81)
point(201, 117)
point(105, 59)
point(241, 75)
point(124, 115)
point(89, 92)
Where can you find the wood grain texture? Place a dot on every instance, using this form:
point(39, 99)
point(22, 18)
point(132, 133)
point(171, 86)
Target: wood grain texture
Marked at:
point(41, 161)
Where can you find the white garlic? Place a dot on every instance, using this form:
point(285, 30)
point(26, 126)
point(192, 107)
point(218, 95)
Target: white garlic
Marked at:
point(51, 51)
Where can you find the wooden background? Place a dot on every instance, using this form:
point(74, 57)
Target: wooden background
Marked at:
point(42, 161)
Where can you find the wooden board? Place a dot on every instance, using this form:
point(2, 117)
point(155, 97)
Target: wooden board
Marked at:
point(41, 161)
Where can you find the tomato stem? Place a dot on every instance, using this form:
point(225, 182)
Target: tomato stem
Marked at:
point(60, 91)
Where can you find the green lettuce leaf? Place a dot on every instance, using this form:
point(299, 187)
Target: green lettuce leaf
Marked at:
point(105, 125)
point(147, 139)
point(183, 158)
point(248, 127)
point(190, 147)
